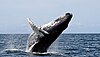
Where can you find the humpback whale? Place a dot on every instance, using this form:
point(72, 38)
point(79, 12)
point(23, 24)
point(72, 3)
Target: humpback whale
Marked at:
point(42, 37)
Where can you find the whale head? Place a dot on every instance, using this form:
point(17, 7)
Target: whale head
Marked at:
point(59, 24)
point(42, 37)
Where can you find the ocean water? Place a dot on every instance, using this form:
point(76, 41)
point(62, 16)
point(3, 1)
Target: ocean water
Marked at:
point(67, 45)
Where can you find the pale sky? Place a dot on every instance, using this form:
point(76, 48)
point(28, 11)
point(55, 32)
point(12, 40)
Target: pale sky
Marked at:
point(13, 14)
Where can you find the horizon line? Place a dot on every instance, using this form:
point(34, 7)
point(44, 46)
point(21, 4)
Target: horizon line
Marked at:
point(62, 33)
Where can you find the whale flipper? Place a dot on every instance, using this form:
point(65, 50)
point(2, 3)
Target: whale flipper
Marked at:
point(32, 25)
point(36, 28)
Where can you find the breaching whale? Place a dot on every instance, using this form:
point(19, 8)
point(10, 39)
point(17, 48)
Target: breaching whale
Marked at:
point(42, 37)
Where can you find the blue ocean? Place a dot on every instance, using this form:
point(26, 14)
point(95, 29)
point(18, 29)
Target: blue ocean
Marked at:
point(66, 45)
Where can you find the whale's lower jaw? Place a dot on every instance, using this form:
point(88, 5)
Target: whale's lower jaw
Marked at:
point(43, 37)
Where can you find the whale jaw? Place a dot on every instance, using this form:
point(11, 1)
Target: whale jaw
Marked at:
point(42, 37)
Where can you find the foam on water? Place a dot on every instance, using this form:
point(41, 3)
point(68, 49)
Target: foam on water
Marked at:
point(21, 52)
point(12, 50)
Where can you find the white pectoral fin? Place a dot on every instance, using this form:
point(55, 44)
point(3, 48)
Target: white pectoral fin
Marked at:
point(30, 22)
point(33, 26)
point(44, 31)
